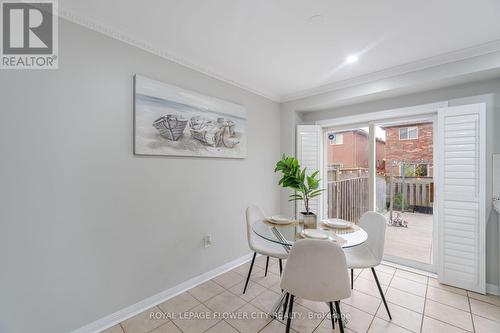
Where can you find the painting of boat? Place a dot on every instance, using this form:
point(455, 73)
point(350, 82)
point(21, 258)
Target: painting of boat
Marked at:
point(170, 126)
point(173, 121)
point(216, 134)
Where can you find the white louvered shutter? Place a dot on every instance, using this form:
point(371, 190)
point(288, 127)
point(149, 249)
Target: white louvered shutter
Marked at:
point(461, 214)
point(309, 154)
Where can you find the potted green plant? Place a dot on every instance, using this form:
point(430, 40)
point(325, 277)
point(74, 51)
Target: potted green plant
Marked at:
point(305, 186)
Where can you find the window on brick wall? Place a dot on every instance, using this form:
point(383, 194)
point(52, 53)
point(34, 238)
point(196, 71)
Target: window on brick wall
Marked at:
point(414, 170)
point(408, 133)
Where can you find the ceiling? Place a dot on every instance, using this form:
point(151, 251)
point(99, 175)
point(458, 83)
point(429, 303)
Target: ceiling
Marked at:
point(285, 49)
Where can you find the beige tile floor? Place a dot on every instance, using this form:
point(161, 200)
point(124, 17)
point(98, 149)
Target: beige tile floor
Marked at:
point(418, 304)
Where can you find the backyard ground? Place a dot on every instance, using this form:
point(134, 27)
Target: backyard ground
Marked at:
point(414, 242)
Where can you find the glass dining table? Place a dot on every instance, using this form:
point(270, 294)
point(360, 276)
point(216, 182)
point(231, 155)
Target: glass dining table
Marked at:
point(287, 234)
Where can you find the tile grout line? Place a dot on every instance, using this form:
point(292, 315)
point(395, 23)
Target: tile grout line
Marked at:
point(245, 302)
point(151, 330)
point(444, 322)
point(450, 291)
point(203, 302)
point(269, 323)
point(176, 325)
point(471, 315)
point(212, 325)
point(251, 299)
point(447, 323)
point(189, 309)
point(477, 315)
point(168, 321)
point(409, 292)
point(404, 307)
point(237, 330)
point(355, 307)
point(488, 303)
point(398, 325)
point(436, 301)
point(480, 300)
point(321, 322)
point(451, 306)
point(380, 304)
point(423, 310)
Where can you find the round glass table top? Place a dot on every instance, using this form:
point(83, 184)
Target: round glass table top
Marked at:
point(287, 234)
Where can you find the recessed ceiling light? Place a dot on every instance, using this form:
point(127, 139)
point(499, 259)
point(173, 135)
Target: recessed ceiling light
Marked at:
point(351, 59)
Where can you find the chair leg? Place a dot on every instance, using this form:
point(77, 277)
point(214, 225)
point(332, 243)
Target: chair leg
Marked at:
point(289, 319)
point(352, 278)
point(285, 305)
point(331, 315)
point(281, 266)
point(249, 272)
point(339, 316)
point(267, 264)
point(381, 293)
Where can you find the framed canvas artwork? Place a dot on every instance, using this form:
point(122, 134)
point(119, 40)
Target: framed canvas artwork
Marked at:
point(172, 121)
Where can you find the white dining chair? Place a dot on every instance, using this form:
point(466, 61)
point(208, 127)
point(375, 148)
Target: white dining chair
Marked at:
point(316, 270)
point(259, 245)
point(370, 253)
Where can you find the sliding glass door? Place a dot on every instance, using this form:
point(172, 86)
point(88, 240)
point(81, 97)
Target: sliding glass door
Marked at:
point(398, 183)
point(405, 190)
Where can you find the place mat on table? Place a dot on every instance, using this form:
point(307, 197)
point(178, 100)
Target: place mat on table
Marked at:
point(337, 239)
point(342, 231)
point(273, 224)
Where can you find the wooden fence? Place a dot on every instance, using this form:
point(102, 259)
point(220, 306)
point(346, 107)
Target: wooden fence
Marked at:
point(417, 192)
point(348, 198)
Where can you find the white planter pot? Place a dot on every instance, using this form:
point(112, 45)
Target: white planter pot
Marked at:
point(310, 220)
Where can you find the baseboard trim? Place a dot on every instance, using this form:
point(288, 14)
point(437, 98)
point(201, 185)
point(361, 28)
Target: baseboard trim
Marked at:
point(492, 289)
point(130, 311)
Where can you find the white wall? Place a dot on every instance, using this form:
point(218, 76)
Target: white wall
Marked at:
point(86, 227)
point(484, 91)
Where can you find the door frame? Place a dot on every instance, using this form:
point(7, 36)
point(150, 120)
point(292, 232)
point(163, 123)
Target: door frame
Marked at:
point(426, 112)
point(432, 267)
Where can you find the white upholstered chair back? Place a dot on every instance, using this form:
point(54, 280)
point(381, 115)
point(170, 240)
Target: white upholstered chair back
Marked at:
point(253, 214)
point(316, 270)
point(374, 224)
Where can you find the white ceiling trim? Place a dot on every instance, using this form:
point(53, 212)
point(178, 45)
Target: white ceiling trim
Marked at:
point(123, 37)
point(438, 60)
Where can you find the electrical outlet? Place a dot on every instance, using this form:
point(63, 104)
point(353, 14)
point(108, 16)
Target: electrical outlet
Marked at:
point(207, 240)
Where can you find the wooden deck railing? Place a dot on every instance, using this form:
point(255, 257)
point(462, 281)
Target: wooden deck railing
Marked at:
point(348, 198)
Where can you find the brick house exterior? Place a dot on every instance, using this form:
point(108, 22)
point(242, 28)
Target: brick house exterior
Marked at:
point(352, 152)
point(409, 149)
point(350, 149)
